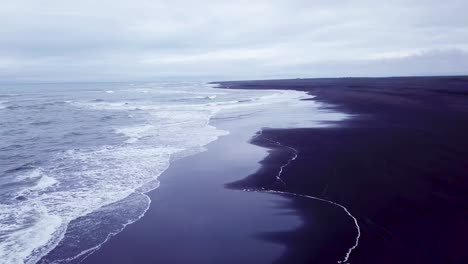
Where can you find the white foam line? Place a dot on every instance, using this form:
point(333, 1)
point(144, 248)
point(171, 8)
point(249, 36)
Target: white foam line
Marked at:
point(348, 254)
point(88, 252)
point(294, 157)
point(278, 177)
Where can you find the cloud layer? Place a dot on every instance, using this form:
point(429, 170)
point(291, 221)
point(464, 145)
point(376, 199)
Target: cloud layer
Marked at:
point(118, 40)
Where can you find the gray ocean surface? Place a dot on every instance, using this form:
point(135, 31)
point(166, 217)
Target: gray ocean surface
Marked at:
point(77, 159)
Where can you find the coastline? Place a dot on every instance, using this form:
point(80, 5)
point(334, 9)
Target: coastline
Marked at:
point(394, 172)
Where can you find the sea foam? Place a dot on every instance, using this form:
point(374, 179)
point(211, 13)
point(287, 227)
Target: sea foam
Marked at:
point(103, 188)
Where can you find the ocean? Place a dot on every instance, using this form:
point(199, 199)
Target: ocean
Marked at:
point(76, 160)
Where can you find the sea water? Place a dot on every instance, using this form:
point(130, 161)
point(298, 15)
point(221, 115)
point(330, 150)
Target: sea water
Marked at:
point(76, 160)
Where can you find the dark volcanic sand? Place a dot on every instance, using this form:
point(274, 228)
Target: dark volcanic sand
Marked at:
point(400, 165)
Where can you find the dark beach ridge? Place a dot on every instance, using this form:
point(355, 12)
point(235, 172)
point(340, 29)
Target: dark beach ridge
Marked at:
point(400, 165)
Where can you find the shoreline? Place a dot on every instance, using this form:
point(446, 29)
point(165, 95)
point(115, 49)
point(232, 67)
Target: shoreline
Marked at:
point(392, 172)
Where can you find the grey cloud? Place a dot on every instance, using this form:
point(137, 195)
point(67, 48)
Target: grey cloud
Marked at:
point(145, 40)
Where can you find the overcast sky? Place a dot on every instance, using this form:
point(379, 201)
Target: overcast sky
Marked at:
point(118, 40)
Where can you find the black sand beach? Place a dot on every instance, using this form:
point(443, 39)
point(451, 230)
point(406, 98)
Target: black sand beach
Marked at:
point(400, 165)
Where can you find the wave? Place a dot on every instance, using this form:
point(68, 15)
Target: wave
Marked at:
point(103, 188)
point(79, 182)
